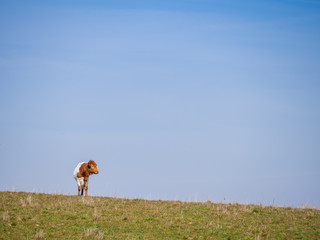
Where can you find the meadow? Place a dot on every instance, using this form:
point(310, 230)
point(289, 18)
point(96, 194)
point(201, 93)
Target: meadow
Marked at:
point(48, 216)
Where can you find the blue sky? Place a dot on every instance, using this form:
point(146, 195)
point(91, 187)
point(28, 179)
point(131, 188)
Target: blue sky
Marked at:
point(187, 100)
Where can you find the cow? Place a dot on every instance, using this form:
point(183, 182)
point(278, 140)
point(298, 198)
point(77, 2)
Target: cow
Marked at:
point(81, 175)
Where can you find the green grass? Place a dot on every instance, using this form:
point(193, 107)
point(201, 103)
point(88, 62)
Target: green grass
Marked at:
point(44, 216)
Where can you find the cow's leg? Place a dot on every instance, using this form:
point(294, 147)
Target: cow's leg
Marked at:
point(80, 185)
point(86, 187)
point(81, 191)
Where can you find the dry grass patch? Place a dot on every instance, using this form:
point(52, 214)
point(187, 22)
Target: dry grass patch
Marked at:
point(43, 216)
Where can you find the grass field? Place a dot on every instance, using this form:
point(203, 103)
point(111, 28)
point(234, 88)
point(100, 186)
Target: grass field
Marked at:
point(44, 216)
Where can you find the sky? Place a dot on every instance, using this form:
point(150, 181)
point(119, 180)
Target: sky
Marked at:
point(174, 100)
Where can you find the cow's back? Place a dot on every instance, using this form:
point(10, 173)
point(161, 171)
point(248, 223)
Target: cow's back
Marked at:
point(76, 170)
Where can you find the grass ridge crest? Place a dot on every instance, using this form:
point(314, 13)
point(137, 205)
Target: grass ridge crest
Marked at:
point(51, 216)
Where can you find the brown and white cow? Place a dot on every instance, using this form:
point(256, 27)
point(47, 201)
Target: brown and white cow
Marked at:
point(81, 175)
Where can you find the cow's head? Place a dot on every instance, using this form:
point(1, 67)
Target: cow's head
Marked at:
point(92, 166)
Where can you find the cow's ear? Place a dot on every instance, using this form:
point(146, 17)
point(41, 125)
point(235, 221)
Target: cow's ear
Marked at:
point(89, 166)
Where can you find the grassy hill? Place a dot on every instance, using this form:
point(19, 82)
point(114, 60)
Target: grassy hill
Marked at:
point(43, 216)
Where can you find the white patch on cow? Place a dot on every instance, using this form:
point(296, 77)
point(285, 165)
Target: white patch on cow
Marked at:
point(80, 181)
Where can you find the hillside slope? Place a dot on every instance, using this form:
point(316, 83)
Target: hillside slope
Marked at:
point(43, 216)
